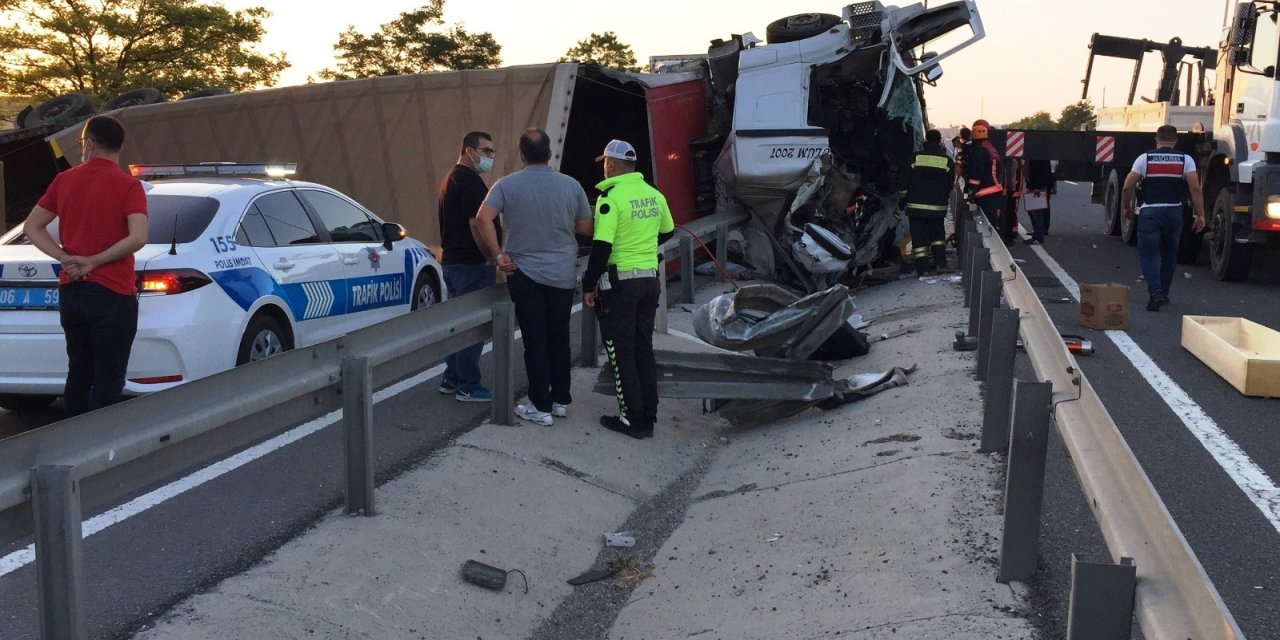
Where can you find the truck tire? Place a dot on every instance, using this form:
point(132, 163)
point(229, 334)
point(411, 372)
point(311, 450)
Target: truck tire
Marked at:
point(799, 27)
point(1111, 204)
point(1189, 242)
point(1129, 230)
point(1230, 261)
point(146, 95)
point(205, 93)
point(71, 105)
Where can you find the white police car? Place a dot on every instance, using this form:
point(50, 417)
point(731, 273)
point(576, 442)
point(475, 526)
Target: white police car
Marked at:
point(240, 264)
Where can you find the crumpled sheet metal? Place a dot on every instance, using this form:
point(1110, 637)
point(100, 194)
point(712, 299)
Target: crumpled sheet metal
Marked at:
point(766, 317)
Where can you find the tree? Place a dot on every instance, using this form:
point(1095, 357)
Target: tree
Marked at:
point(605, 50)
point(405, 45)
point(1037, 120)
point(1078, 116)
point(107, 47)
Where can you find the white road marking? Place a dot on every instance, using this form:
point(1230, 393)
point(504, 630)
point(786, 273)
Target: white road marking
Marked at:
point(1252, 480)
point(22, 557)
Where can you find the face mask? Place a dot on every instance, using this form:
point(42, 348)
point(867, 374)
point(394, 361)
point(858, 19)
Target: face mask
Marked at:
point(483, 163)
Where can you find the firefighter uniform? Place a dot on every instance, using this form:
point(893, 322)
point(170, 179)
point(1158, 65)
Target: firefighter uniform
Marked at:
point(630, 216)
point(928, 192)
point(982, 179)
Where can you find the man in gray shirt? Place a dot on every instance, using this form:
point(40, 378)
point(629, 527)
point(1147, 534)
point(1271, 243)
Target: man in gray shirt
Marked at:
point(541, 211)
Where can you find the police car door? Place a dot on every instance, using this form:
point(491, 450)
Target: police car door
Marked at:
point(304, 270)
point(378, 280)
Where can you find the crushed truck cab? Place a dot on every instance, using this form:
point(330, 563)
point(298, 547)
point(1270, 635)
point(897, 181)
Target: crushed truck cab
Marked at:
point(829, 122)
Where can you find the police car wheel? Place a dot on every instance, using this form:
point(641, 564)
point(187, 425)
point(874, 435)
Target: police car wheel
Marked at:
point(19, 403)
point(424, 291)
point(263, 338)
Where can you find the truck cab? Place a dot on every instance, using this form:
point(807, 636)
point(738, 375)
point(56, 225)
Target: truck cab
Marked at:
point(1242, 176)
point(832, 103)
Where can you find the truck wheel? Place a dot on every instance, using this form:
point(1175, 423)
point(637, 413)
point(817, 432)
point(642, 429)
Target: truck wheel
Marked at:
point(799, 27)
point(205, 93)
point(71, 105)
point(1189, 242)
point(22, 403)
point(1129, 230)
point(264, 337)
point(1230, 261)
point(1111, 205)
point(146, 95)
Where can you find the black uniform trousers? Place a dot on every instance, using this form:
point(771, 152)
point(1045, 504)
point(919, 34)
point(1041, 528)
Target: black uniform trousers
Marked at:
point(626, 315)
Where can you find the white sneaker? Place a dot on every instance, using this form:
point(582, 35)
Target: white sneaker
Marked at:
point(531, 413)
point(559, 410)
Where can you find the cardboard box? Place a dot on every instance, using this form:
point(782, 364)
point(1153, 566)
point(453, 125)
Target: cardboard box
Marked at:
point(1244, 353)
point(1104, 306)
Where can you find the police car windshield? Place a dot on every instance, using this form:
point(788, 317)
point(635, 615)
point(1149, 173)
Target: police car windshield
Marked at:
point(191, 214)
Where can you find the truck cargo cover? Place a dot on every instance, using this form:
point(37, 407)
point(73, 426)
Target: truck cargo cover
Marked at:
point(386, 142)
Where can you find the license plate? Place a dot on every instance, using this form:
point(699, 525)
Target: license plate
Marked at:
point(28, 298)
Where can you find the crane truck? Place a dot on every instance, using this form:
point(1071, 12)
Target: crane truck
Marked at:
point(1232, 131)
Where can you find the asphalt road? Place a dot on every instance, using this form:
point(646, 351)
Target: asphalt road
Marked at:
point(1234, 541)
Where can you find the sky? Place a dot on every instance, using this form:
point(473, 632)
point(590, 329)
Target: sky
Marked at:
point(1033, 57)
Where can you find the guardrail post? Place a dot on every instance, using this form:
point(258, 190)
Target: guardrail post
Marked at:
point(988, 300)
point(55, 499)
point(722, 250)
point(686, 268)
point(590, 338)
point(357, 420)
point(1101, 605)
point(999, 389)
point(979, 260)
point(1024, 482)
point(504, 329)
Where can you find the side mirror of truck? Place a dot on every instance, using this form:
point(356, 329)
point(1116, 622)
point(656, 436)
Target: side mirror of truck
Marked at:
point(932, 75)
point(1242, 26)
point(1239, 56)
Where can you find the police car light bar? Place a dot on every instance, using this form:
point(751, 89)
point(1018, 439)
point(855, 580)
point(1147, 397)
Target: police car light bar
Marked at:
point(151, 171)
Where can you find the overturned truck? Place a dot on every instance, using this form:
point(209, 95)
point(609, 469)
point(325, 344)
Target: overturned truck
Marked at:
point(812, 131)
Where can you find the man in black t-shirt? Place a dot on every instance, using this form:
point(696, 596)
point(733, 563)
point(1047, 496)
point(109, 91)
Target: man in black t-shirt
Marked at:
point(465, 269)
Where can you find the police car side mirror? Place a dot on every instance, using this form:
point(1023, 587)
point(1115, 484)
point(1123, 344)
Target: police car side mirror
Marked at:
point(392, 232)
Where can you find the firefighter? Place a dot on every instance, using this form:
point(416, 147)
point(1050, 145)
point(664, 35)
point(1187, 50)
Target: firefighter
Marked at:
point(928, 192)
point(621, 281)
point(982, 178)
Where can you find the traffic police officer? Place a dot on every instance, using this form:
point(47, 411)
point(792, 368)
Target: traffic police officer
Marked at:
point(928, 192)
point(631, 220)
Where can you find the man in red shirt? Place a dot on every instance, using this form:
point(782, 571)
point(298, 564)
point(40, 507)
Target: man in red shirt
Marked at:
point(102, 221)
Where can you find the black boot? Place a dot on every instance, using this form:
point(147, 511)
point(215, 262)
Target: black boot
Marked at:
point(940, 257)
point(621, 425)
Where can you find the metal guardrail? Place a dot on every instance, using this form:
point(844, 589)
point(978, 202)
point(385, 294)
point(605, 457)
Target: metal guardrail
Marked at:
point(50, 475)
point(1166, 585)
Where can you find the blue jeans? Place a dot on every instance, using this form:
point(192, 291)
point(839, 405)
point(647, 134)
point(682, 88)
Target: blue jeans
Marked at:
point(462, 369)
point(99, 325)
point(1159, 228)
